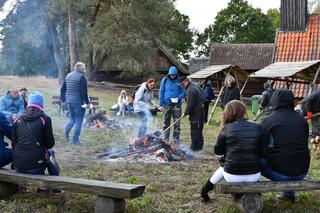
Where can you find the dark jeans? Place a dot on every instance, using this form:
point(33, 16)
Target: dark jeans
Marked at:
point(36, 171)
point(196, 127)
point(274, 176)
point(205, 111)
point(76, 118)
point(175, 113)
point(315, 126)
point(143, 117)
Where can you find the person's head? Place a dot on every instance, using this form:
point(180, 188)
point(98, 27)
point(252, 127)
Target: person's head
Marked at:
point(185, 83)
point(233, 111)
point(230, 81)
point(266, 85)
point(173, 73)
point(81, 67)
point(123, 92)
point(14, 93)
point(282, 98)
point(151, 84)
point(23, 91)
point(36, 99)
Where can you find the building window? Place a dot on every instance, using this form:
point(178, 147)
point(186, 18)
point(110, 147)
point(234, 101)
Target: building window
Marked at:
point(314, 6)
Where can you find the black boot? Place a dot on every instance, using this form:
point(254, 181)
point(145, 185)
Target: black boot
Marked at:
point(204, 192)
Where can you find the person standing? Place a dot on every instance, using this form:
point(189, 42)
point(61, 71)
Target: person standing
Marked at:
point(209, 95)
point(286, 154)
point(311, 105)
point(239, 145)
point(231, 91)
point(194, 109)
point(74, 92)
point(143, 99)
point(170, 101)
point(23, 94)
point(11, 105)
point(5, 130)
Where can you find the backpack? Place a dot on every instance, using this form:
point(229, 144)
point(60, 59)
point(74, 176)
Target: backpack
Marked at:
point(133, 95)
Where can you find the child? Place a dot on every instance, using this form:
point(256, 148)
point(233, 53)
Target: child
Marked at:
point(122, 102)
point(239, 141)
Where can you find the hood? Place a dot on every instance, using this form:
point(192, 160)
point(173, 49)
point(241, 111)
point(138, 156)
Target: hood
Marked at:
point(173, 71)
point(282, 98)
point(32, 113)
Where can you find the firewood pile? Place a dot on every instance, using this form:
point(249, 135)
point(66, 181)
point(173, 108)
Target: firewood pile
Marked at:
point(149, 147)
point(102, 120)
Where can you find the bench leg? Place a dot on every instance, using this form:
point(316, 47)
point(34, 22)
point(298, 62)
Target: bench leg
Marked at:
point(7, 189)
point(109, 205)
point(249, 203)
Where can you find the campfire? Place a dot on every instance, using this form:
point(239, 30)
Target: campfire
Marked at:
point(150, 146)
point(102, 120)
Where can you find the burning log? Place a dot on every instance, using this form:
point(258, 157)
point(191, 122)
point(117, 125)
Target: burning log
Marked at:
point(150, 144)
point(102, 120)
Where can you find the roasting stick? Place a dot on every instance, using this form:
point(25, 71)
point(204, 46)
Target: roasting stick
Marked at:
point(171, 125)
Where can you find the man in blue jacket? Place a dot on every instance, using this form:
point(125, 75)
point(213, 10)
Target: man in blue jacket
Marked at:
point(11, 105)
point(170, 98)
point(5, 130)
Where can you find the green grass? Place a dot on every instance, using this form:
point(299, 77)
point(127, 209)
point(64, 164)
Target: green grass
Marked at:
point(170, 187)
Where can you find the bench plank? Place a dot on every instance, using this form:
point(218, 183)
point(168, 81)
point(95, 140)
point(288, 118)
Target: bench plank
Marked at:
point(94, 187)
point(266, 186)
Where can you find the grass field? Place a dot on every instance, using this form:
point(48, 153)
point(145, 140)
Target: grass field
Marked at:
point(170, 187)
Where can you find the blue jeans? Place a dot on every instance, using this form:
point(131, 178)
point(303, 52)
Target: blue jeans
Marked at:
point(76, 118)
point(36, 171)
point(274, 176)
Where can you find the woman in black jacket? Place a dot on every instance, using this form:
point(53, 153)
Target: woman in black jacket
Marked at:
point(32, 136)
point(230, 92)
point(239, 142)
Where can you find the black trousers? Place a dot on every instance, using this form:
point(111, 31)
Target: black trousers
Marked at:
point(205, 111)
point(196, 127)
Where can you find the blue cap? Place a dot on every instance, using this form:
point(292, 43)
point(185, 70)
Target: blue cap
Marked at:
point(173, 71)
point(36, 98)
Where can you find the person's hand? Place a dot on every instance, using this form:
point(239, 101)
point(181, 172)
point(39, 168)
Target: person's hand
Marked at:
point(15, 117)
point(90, 106)
point(183, 114)
point(161, 108)
point(309, 115)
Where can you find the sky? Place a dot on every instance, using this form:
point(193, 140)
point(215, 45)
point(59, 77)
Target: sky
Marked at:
point(203, 12)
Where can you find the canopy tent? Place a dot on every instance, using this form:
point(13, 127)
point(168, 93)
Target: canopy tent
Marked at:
point(211, 73)
point(214, 72)
point(304, 70)
point(307, 72)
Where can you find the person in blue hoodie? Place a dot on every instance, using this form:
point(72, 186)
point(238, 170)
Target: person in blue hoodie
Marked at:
point(5, 130)
point(11, 105)
point(170, 101)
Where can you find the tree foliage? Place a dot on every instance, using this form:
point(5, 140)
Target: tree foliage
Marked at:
point(239, 23)
point(125, 29)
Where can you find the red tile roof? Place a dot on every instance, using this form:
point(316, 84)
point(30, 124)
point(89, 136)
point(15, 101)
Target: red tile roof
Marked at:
point(299, 46)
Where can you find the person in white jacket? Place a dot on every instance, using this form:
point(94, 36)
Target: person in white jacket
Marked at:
point(122, 103)
point(142, 102)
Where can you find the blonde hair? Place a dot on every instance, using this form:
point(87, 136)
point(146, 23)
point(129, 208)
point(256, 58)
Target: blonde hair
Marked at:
point(230, 80)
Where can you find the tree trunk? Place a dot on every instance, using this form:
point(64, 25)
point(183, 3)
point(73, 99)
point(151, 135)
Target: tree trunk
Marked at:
point(57, 55)
point(72, 40)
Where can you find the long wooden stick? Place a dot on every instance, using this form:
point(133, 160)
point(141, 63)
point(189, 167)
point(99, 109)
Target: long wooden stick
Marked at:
point(164, 131)
point(215, 104)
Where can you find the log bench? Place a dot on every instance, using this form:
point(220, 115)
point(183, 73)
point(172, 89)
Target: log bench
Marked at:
point(110, 196)
point(57, 102)
point(247, 196)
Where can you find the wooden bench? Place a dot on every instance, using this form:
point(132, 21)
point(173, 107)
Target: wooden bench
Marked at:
point(248, 195)
point(110, 196)
point(57, 102)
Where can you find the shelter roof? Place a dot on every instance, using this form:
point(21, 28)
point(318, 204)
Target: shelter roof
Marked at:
point(210, 72)
point(246, 56)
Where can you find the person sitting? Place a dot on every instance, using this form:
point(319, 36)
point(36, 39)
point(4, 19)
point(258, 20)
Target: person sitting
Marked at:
point(5, 130)
point(239, 142)
point(230, 92)
point(32, 137)
point(286, 154)
point(123, 103)
point(23, 94)
point(11, 105)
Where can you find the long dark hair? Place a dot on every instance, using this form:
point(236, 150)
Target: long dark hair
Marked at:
point(234, 110)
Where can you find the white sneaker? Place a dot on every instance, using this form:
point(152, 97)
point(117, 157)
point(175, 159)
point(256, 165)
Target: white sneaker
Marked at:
point(118, 113)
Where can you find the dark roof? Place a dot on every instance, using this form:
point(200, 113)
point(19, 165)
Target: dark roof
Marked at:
point(196, 64)
point(246, 56)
